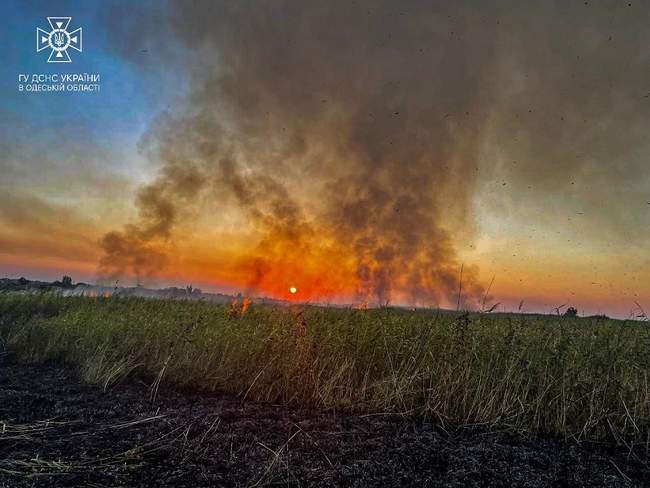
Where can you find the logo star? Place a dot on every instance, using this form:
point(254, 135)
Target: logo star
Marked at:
point(58, 40)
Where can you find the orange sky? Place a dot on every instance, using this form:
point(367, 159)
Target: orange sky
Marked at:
point(370, 162)
point(542, 271)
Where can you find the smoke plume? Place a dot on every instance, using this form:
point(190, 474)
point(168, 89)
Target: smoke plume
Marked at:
point(349, 136)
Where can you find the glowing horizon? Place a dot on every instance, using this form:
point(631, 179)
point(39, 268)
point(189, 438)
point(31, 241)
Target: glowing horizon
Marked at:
point(509, 143)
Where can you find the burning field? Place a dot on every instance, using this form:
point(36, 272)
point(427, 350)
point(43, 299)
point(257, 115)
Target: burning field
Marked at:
point(571, 390)
point(386, 203)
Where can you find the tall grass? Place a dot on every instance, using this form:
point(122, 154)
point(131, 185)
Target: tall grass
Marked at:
point(578, 378)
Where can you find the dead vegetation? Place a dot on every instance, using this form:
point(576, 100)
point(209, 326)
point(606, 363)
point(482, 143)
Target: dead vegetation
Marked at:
point(562, 376)
point(61, 432)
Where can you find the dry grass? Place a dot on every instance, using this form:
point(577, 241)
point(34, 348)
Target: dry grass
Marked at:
point(577, 378)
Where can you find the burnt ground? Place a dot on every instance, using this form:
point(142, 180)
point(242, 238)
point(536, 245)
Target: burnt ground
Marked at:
point(57, 431)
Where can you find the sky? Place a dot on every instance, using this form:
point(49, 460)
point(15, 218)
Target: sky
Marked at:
point(361, 152)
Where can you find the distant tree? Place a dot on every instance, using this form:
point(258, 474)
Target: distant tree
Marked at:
point(66, 281)
point(571, 312)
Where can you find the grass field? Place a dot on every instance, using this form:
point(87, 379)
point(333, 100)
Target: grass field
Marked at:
point(569, 377)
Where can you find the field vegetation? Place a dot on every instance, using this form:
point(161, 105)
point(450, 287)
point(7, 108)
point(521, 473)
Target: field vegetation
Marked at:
point(577, 378)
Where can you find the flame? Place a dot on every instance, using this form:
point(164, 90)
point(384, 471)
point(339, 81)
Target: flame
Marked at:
point(239, 309)
point(245, 304)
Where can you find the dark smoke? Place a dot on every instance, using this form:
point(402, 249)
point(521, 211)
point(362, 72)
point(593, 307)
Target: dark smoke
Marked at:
point(371, 102)
point(364, 124)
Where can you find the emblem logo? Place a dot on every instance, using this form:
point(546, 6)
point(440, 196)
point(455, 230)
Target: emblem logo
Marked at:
point(58, 39)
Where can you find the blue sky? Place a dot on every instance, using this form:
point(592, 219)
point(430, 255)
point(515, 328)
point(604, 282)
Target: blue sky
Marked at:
point(70, 162)
point(115, 117)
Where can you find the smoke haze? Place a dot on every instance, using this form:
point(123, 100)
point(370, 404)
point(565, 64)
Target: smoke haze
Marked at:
point(350, 139)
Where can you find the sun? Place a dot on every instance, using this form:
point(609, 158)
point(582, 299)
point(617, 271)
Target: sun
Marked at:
point(293, 290)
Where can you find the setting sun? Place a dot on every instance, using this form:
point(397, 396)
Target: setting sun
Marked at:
point(293, 289)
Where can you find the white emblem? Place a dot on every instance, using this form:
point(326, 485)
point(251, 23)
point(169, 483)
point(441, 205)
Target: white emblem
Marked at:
point(58, 39)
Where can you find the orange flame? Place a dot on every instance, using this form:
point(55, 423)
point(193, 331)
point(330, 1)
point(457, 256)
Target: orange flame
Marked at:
point(245, 304)
point(239, 309)
point(234, 306)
